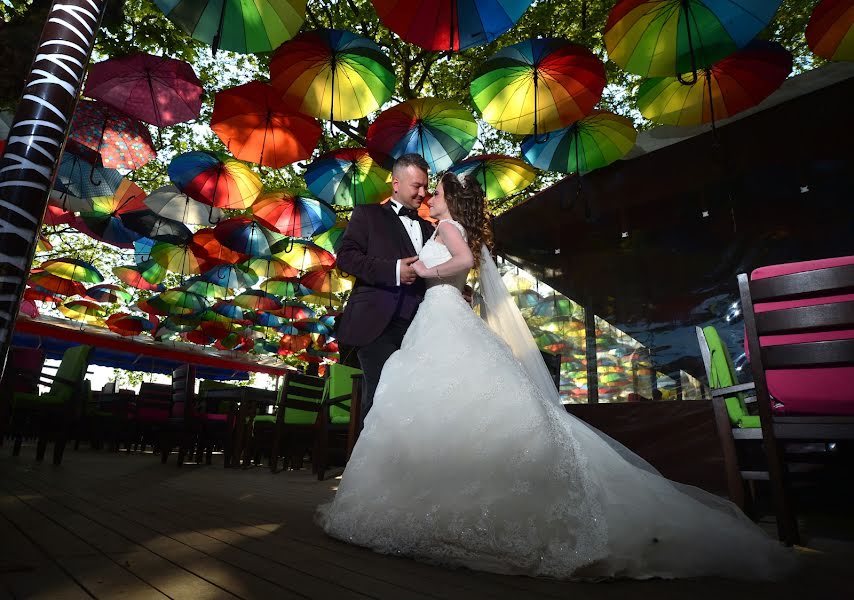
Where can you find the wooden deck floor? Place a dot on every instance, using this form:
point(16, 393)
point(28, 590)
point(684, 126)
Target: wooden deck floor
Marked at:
point(110, 526)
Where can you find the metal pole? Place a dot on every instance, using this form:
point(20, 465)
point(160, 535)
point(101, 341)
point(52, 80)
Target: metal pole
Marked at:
point(590, 352)
point(36, 138)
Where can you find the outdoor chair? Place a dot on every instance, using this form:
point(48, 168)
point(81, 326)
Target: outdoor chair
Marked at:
point(52, 415)
point(183, 428)
point(109, 417)
point(151, 415)
point(291, 431)
point(333, 424)
point(218, 418)
point(801, 322)
point(21, 375)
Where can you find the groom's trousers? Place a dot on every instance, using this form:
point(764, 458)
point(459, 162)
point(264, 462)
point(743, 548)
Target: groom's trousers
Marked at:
point(373, 357)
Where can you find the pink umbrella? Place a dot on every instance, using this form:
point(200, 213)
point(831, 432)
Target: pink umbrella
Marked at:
point(156, 89)
point(122, 141)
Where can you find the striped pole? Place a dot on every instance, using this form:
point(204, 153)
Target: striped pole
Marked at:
point(36, 137)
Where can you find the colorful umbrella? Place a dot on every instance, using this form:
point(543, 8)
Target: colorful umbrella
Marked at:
point(348, 177)
point(237, 25)
point(332, 74)
point(256, 126)
point(732, 85)
point(158, 90)
point(666, 38)
point(73, 269)
point(78, 181)
point(133, 276)
point(285, 287)
point(206, 289)
point(257, 300)
point(269, 266)
point(442, 131)
point(591, 143)
point(215, 179)
point(28, 307)
point(456, 25)
point(230, 276)
point(330, 240)
point(294, 310)
point(57, 285)
point(108, 292)
point(328, 282)
point(228, 310)
point(128, 325)
point(210, 252)
point(103, 215)
point(156, 228)
point(176, 258)
point(498, 175)
point(247, 236)
point(556, 305)
point(82, 310)
point(830, 31)
point(306, 256)
point(292, 213)
point(538, 85)
point(182, 302)
point(122, 142)
point(170, 203)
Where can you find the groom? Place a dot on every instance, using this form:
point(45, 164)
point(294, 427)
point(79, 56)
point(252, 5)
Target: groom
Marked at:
point(379, 246)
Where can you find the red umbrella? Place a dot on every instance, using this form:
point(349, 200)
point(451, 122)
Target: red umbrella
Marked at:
point(256, 126)
point(122, 141)
point(156, 89)
point(211, 252)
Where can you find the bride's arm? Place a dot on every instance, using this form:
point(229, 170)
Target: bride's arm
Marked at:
point(461, 260)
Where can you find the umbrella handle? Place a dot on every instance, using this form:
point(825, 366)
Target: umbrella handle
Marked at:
point(687, 8)
point(92, 175)
point(210, 217)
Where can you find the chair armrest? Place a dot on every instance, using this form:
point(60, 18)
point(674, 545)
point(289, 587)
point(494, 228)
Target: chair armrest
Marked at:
point(732, 389)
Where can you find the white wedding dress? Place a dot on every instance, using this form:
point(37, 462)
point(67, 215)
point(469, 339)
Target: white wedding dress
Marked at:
point(464, 462)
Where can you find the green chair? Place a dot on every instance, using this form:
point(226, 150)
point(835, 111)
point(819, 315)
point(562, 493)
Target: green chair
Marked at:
point(333, 427)
point(722, 378)
point(53, 414)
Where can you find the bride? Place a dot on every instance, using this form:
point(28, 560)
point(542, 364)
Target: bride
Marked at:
point(468, 458)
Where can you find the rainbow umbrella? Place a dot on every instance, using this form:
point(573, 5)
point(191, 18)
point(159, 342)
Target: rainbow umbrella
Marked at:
point(241, 26)
point(82, 310)
point(311, 326)
point(456, 25)
point(181, 323)
point(591, 143)
point(257, 300)
point(269, 266)
point(77, 181)
point(104, 214)
point(198, 337)
point(332, 74)
point(285, 287)
point(247, 236)
point(556, 305)
point(330, 240)
point(291, 344)
point(122, 142)
point(442, 131)
point(730, 86)
point(666, 38)
point(215, 179)
point(206, 289)
point(108, 292)
point(256, 126)
point(159, 90)
point(348, 177)
point(538, 85)
point(182, 302)
point(292, 213)
point(178, 258)
point(230, 277)
point(526, 298)
point(128, 325)
point(294, 310)
point(210, 252)
point(229, 310)
point(56, 285)
point(73, 269)
point(170, 203)
point(43, 244)
point(263, 319)
point(132, 275)
point(498, 175)
point(306, 256)
point(830, 31)
point(328, 282)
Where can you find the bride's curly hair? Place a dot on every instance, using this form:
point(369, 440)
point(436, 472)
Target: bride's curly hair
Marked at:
point(467, 204)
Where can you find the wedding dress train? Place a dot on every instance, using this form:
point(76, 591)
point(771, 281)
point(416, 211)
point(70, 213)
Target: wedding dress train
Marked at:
point(464, 462)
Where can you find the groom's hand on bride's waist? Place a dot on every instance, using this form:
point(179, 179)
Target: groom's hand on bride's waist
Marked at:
point(407, 272)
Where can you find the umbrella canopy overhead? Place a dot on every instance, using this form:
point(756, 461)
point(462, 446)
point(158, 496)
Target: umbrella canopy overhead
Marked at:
point(215, 179)
point(237, 25)
point(158, 90)
point(332, 74)
point(830, 31)
point(441, 25)
point(122, 142)
point(78, 181)
point(293, 214)
point(666, 38)
point(730, 86)
point(247, 236)
point(73, 269)
point(170, 203)
point(256, 126)
point(441, 131)
point(498, 175)
point(538, 85)
point(348, 177)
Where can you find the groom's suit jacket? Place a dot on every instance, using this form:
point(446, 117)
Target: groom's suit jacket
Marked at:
point(372, 244)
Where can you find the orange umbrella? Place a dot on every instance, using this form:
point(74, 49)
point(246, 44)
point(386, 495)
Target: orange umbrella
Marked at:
point(256, 126)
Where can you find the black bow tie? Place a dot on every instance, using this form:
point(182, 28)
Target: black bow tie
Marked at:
point(408, 212)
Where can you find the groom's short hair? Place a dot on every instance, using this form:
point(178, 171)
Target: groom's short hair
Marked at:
point(410, 160)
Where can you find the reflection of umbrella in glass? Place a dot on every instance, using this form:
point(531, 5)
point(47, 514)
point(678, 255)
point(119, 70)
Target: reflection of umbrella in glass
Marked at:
point(128, 325)
point(331, 240)
point(348, 177)
point(332, 74)
point(237, 25)
point(730, 86)
point(74, 269)
point(159, 90)
point(306, 256)
point(830, 31)
point(216, 180)
point(108, 292)
point(122, 142)
point(441, 25)
point(665, 38)
point(591, 143)
point(566, 327)
point(170, 203)
point(526, 298)
point(498, 175)
point(556, 306)
point(441, 131)
point(292, 213)
point(538, 85)
point(257, 127)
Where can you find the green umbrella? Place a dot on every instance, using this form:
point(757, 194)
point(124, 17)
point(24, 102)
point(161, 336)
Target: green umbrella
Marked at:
point(498, 175)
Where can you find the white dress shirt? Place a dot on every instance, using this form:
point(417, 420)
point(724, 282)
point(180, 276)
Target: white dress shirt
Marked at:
point(413, 228)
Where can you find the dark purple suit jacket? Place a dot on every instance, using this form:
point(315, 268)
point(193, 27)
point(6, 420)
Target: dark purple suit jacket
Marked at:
point(372, 244)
